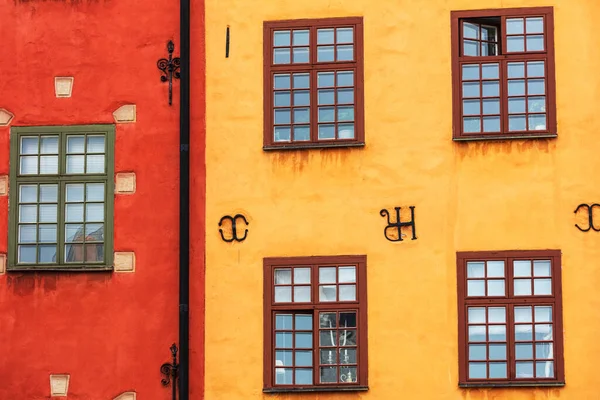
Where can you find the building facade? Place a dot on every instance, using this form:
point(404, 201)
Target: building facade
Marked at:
point(330, 122)
point(89, 199)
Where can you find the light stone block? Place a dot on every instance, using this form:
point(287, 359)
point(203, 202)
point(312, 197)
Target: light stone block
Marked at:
point(63, 86)
point(125, 114)
point(5, 117)
point(124, 261)
point(125, 183)
point(59, 385)
point(126, 396)
point(2, 263)
point(3, 185)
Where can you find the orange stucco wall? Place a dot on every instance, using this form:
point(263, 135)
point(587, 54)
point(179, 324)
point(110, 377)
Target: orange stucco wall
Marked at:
point(468, 196)
point(110, 331)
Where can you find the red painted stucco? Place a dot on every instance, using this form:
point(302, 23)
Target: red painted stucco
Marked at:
point(109, 331)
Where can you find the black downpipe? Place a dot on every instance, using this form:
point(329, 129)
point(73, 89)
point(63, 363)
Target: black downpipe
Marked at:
point(184, 203)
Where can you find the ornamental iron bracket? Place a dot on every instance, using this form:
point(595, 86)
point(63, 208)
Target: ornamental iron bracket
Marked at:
point(170, 69)
point(590, 211)
point(171, 372)
point(398, 224)
point(234, 231)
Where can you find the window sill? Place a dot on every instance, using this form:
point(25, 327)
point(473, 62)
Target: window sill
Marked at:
point(296, 146)
point(70, 268)
point(504, 137)
point(318, 389)
point(510, 384)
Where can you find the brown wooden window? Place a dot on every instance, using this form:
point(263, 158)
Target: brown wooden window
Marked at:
point(315, 323)
point(510, 318)
point(503, 73)
point(313, 83)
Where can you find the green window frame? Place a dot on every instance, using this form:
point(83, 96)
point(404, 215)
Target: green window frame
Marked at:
point(61, 198)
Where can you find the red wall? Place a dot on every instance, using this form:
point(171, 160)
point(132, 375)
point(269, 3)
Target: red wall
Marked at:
point(109, 331)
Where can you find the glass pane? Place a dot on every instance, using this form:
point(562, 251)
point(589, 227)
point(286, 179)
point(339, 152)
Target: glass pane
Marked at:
point(515, 43)
point(282, 134)
point(491, 89)
point(535, 25)
point(344, 35)
point(301, 115)
point(94, 192)
point(345, 53)
point(347, 356)
point(27, 193)
point(95, 144)
point(29, 165)
point(477, 370)
point(348, 337)
point(27, 254)
point(345, 113)
point(300, 54)
point(470, 72)
point(543, 351)
point(522, 268)
point(283, 340)
point(497, 352)
point(327, 293)
point(537, 104)
point(328, 357)
point(523, 332)
point(327, 320)
point(516, 70)
point(476, 315)
point(348, 374)
point(345, 96)
point(281, 81)
point(544, 369)
point(477, 333)
point(325, 53)
point(74, 232)
point(75, 193)
point(328, 374)
point(74, 253)
point(516, 123)
point(536, 86)
point(477, 352)
point(471, 107)
point(522, 287)
point(537, 122)
point(470, 89)
point(490, 71)
point(324, 36)
point(347, 292)
point(282, 116)
point(282, 99)
point(325, 79)
point(94, 232)
point(542, 287)
point(283, 321)
point(283, 358)
point(514, 26)
point(535, 69)
point(27, 213)
point(327, 275)
point(75, 164)
point(48, 193)
point(304, 376)
point(303, 340)
point(347, 320)
point(301, 81)
point(95, 164)
point(524, 370)
point(302, 133)
point(470, 31)
point(543, 332)
point(523, 314)
point(471, 48)
point(495, 269)
point(516, 88)
point(326, 97)
point(27, 234)
point(300, 38)
point(94, 252)
point(346, 131)
point(303, 322)
point(543, 314)
point(328, 338)
point(47, 254)
point(281, 56)
point(524, 351)
point(48, 212)
point(347, 275)
point(301, 294)
point(496, 314)
point(281, 38)
point(491, 106)
point(491, 124)
point(283, 376)
point(75, 144)
point(497, 370)
point(48, 164)
point(516, 105)
point(283, 294)
point(476, 288)
point(29, 145)
point(471, 124)
point(497, 333)
point(301, 275)
point(475, 270)
point(495, 287)
point(94, 212)
point(345, 78)
point(535, 43)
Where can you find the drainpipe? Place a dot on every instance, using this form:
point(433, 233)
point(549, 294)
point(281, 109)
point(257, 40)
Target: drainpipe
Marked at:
point(184, 202)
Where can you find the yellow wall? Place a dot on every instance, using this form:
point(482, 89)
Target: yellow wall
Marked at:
point(468, 196)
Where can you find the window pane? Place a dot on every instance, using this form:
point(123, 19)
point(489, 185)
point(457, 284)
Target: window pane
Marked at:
point(301, 133)
point(304, 376)
point(29, 145)
point(74, 232)
point(347, 319)
point(300, 38)
point(324, 36)
point(303, 340)
point(283, 358)
point(535, 43)
point(75, 144)
point(470, 89)
point(471, 107)
point(282, 134)
point(328, 374)
point(516, 105)
point(327, 275)
point(327, 293)
point(536, 104)
point(516, 123)
point(74, 253)
point(28, 213)
point(491, 89)
point(477, 370)
point(283, 294)
point(524, 370)
point(27, 234)
point(49, 145)
point(303, 322)
point(301, 294)
point(95, 144)
point(497, 314)
point(75, 164)
point(326, 96)
point(345, 113)
point(477, 352)
point(543, 332)
point(29, 165)
point(491, 124)
point(524, 351)
point(300, 54)
point(543, 351)
point(325, 53)
point(328, 338)
point(346, 131)
point(490, 71)
point(516, 70)
point(281, 38)
point(345, 78)
point(347, 356)
point(542, 287)
point(497, 370)
point(74, 212)
point(522, 268)
point(491, 106)
point(94, 232)
point(476, 315)
point(522, 287)
point(543, 314)
point(344, 35)
point(95, 164)
point(345, 96)
point(281, 56)
point(544, 369)
point(477, 333)
point(48, 193)
point(495, 287)
point(516, 88)
point(301, 275)
point(48, 212)
point(476, 288)
point(497, 352)
point(94, 192)
point(535, 69)
point(94, 252)
point(94, 212)
point(283, 340)
point(345, 53)
point(283, 376)
point(283, 321)
point(347, 274)
point(348, 374)
point(537, 122)
point(475, 270)
point(536, 86)
point(75, 193)
point(514, 26)
point(495, 269)
point(282, 99)
point(327, 320)
point(282, 116)
point(348, 337)
point(281, 81)
point(28, 194)
point(27, 254)
point(472, 124)
point(347, 292)
point(325, 79)
point(301, 115)
point(470, 31)
point(522, 314)
point(471, 48)
point(47, 254)
point(497, 333)
point(515, 43)
point(470, 71)
point(326, 132)
point(523, 332)
point(301, 81)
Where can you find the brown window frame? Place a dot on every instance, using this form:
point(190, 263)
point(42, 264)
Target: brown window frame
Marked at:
point(547, 55)
point(312, 67)
point(314, 307)
point(509, 301)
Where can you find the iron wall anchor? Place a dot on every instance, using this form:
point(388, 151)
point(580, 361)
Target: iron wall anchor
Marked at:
point(170, 68)
point(171, 372)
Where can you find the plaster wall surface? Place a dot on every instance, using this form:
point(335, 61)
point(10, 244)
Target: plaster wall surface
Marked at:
point(488, 195)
